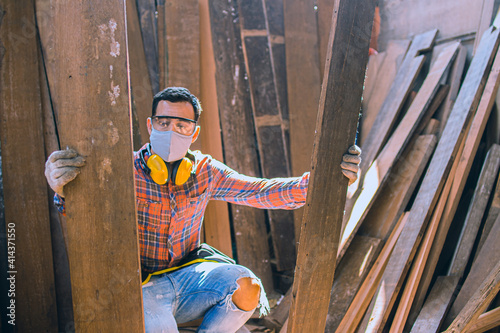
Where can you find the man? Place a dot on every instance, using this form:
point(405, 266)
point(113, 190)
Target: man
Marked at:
point(173, 186)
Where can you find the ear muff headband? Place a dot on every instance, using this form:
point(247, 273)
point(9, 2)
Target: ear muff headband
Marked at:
point(178, 171)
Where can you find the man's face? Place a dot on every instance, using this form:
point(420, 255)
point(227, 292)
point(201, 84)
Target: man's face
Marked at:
point(181, 113)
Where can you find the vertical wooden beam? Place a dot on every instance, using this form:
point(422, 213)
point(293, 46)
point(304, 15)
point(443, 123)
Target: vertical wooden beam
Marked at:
point(240, 151)
point(29, 251)
point(146, 10)
point(303, 84)
point(268, 119)
point(142, 93)
point(338, 114)
point(183, 44)
point(88, 78)
point(216, 221)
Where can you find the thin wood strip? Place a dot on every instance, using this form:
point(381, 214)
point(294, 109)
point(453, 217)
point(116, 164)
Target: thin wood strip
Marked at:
point(335, 132)
point(146, 10)
point(418, 264)
point(378, 171)
point(493, 213)
point(476, 211)
point(486, 321)
point(142, 93)
point(430, 318)
point(392, 105)
point(395, 54)
point(364, 295)
point(487, 259)
point(474, 135)
point(432, 184)
point(478, 303)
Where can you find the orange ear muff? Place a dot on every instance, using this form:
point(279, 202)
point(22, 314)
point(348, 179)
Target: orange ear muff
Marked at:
point(181, 171)
point(159, 170)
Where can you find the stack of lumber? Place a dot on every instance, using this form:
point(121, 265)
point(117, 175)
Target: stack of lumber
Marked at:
point(418, 253)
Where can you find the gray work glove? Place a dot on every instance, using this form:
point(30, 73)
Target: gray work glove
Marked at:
point(350, 163)
point(61, 167)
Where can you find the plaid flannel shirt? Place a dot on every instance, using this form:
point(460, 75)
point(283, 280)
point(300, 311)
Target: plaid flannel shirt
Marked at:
point(170, 216)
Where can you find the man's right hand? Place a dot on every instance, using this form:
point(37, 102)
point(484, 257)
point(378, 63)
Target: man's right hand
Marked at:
point(61, 167)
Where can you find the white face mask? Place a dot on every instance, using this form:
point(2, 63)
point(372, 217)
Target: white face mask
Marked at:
point(169, 145)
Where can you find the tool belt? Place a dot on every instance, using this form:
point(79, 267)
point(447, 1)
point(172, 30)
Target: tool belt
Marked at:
point(203, 253)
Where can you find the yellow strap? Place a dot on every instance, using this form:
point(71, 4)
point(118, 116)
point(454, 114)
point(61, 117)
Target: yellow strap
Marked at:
point(171, 269)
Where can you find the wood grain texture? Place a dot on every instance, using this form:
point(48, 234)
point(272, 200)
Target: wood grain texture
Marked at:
point(146, 10)
point(476, 211)
point(432, 184)
point(352, 271)
point(182, 19)
point(373, 98)
point(140, 84)
point(493, 213)
point(335, 132)
point(397, 191)
point(238, 132)
point(216, 221)
point(377, 174)
point(478, 303)
point(438, 302)
point(88, 81)
point(400, 88)
point(486, 321)
point(464, 162)
point(361, 301)
point(486, 260)
point(273, 152)
point(25, 196)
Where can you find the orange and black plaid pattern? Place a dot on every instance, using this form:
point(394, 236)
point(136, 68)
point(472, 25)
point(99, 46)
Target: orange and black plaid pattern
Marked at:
point(170, 216)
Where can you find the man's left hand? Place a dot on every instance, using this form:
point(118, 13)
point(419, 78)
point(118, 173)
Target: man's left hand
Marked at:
point(350, 163)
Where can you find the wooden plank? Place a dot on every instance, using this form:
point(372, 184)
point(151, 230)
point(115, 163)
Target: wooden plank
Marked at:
point(484, 21)
point(351, 273)
point(396, 96)
point(464, 164)
point(58, 230)
point(29, 272)
point(476, 211)
point(324, 16)
point(93, 92)
point(433, 180)
point(396, 193)
point(376, 175)
point(162, 43)
point(303, 79)
point(484, 264)
point(478, 302)
point(146, 10)
point(455, 80)
point(375, 62)
point(303, 84)
point(183, 44)
point(430, 318)
point(486, 321)
point(142, 93)
point(395, 54)
point(240, 151)
point(418, 264)
point(335, 132)
point(361, 301)
point(273, 153)
point(493, 213)
point(216, 220)
point(432, 127)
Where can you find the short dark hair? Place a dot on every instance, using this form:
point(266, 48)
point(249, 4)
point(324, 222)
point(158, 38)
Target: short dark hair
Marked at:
point(177, 94)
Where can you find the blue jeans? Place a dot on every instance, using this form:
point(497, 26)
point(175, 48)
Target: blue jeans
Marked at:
point(200, 290)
